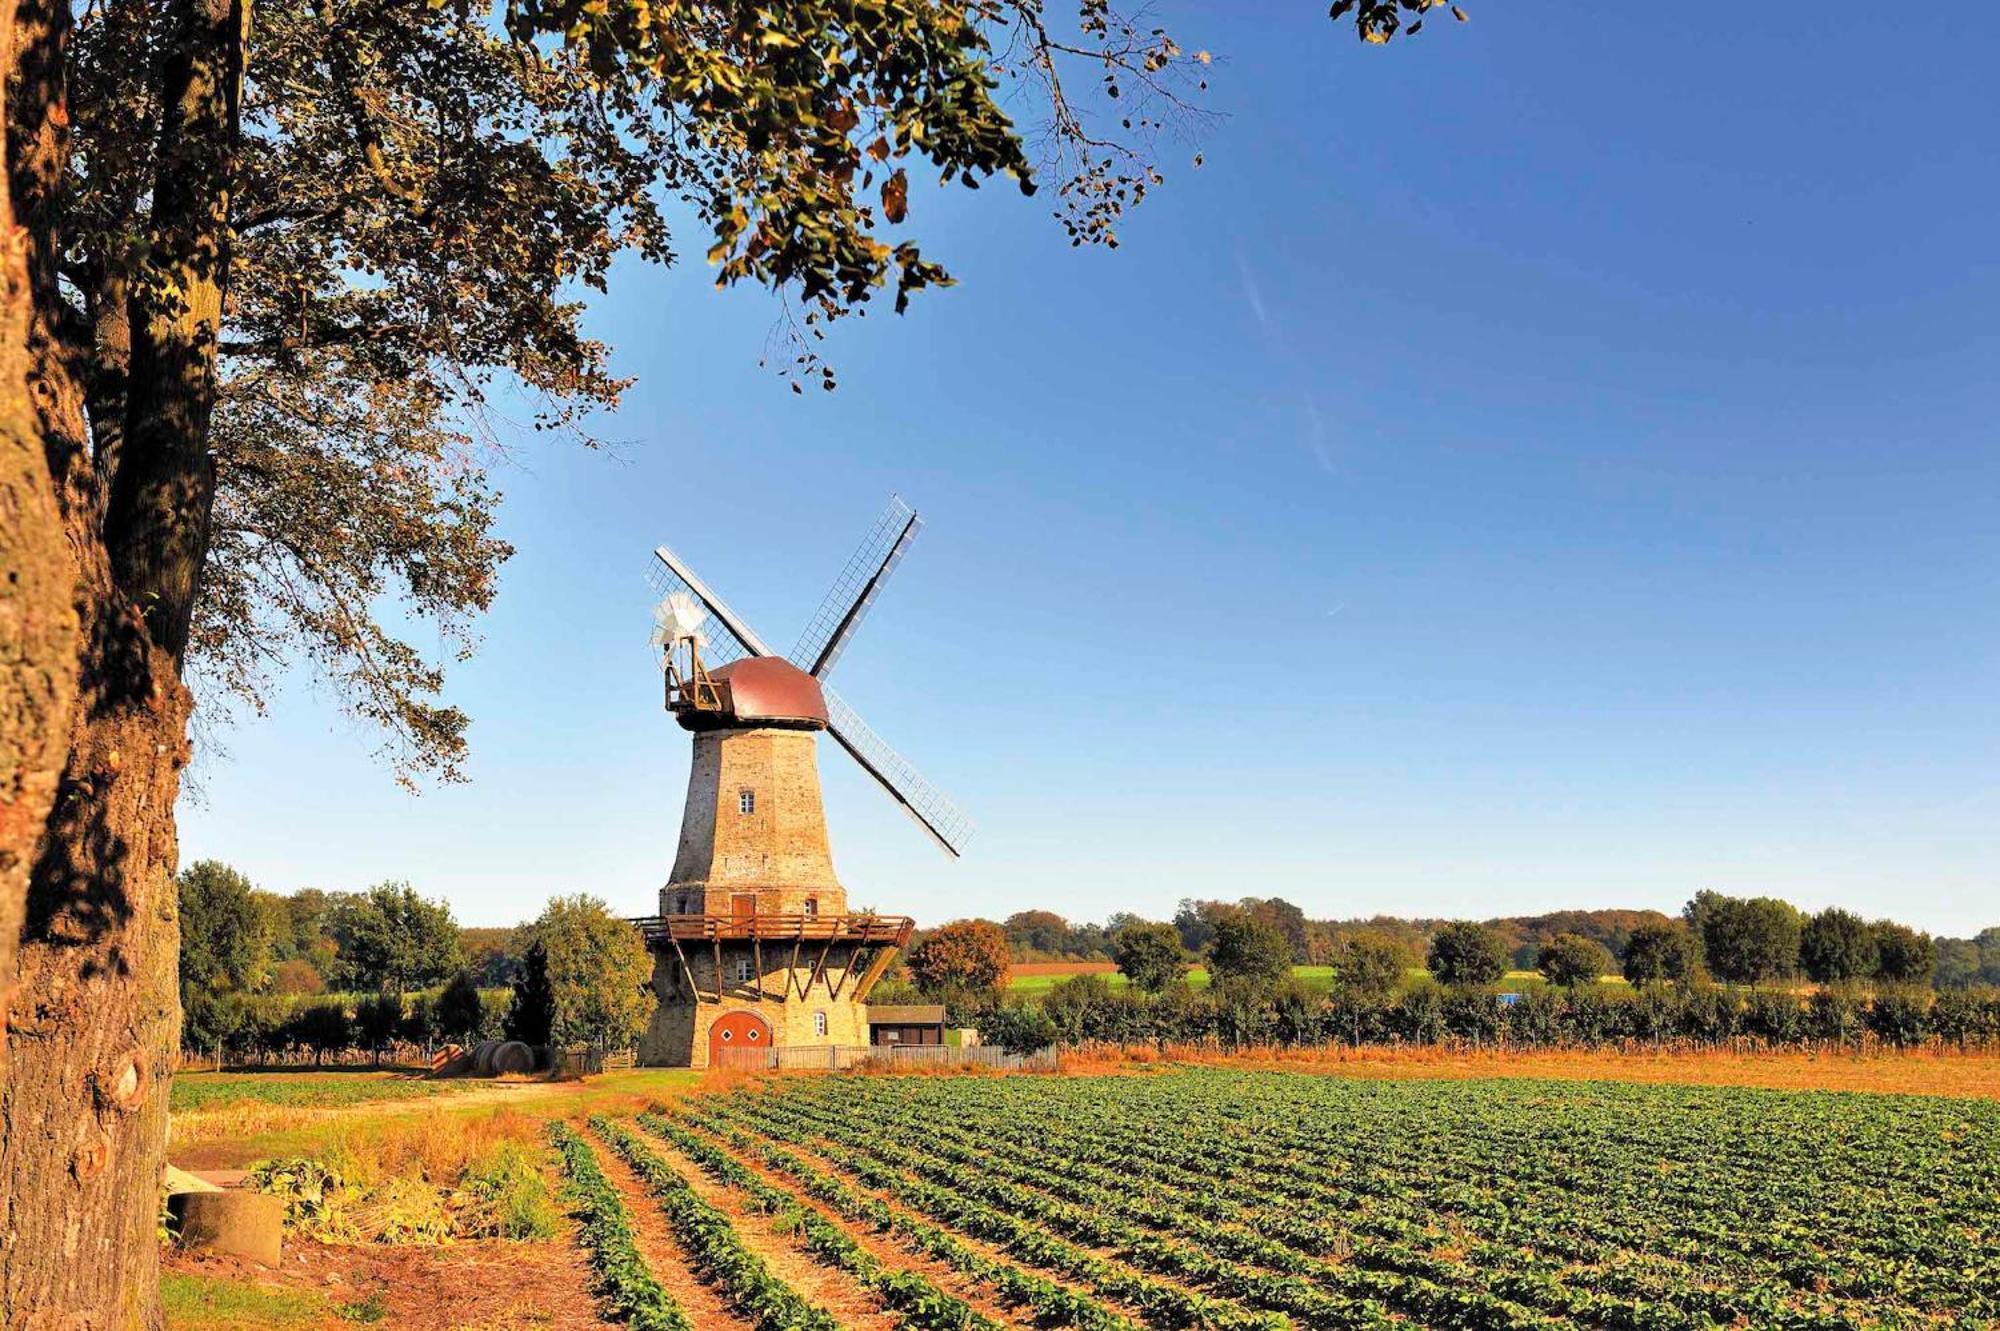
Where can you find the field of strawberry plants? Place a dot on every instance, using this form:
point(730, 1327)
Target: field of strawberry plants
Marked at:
point(1257, 1201)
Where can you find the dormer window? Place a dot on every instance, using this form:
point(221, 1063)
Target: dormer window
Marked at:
point(746, 801)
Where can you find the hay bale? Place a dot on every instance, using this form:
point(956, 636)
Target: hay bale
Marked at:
point(512, 1057)
point(243, 1224)
point(482, 1057)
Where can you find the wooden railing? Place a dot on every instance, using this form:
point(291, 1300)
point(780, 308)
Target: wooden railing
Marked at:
point(892, 930)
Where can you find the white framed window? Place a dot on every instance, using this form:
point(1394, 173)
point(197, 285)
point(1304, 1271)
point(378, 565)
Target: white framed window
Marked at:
point(746, 801)
point(743, 971)
point(819, 1024)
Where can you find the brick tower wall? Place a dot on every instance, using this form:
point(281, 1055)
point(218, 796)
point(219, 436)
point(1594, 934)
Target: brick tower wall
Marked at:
point(678, 1033)
point(777, 851)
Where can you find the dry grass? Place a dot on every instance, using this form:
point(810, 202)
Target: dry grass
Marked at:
point(1973, 1074)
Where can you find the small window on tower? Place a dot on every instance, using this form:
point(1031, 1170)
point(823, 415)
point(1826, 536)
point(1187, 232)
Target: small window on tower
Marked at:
point(746, 800)
point(819, 1023)
point(742, 970)
point(812, 909)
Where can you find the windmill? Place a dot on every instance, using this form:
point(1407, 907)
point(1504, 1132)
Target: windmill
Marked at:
point(754, 947)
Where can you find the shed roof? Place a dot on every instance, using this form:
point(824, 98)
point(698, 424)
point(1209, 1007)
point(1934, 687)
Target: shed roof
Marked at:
point(906, 1014)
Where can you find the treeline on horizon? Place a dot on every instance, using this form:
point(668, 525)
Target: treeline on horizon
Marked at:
point(1725, 972)
point(317, 973)
point(1756, 939)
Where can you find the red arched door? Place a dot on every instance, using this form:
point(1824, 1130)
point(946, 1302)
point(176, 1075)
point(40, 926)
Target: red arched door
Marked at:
point(739, 1040)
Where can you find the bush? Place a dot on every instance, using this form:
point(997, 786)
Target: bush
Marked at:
point(507, 1197)
point(531, 1014)
point(460, 1013)
point(1834, 1017)
point(1774, 1016)
point(321, 1027)
point(1900, 1017)
point(1018, 1028)
point(376, 1022)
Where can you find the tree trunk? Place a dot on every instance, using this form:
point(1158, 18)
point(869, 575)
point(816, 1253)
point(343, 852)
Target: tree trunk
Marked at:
point(83, 1113)
point(38, 623)
point(85, 1104)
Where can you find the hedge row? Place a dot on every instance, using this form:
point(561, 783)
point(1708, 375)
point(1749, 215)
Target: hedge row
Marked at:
point(1083, 1013)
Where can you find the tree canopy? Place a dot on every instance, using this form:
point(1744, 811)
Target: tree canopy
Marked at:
point(1248, 949)
point(961, 961)
point(1837, 947)
point(1466, 953)
point(1150, 955)
point(389, 938)
point(1568, 960)
point(598, 973)
point(1663, 951)
point(1746, 940)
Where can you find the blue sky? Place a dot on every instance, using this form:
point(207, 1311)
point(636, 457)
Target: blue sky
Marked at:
point(1547, 463)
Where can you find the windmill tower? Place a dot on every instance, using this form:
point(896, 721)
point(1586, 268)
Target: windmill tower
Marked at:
point(754, 948)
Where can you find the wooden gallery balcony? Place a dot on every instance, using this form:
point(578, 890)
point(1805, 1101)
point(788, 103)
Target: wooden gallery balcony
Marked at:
point(800, 945)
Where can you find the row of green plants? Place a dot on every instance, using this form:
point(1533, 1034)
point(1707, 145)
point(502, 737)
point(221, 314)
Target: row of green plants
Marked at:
point(1086, 1010)
point(920, 1304)
point(1047, 1303)
point(1588, 1204)
point(624, 1280)
point(1239, 1265)
point(1146, 1276)
point(713, 1244)
point(1382, 1256)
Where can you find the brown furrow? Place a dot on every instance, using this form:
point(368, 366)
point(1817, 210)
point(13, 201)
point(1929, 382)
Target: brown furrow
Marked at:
point(816, 1156)
point(884, 1248)
point(706, 1306)
point(856, 1306)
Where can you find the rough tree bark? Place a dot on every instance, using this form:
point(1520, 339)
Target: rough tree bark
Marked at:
point(37, 611)
point(83, 1113)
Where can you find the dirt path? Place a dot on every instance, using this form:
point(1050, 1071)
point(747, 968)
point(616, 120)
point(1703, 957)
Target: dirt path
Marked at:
point(855, 1306)
point(705, 1305)
point(879, 1246)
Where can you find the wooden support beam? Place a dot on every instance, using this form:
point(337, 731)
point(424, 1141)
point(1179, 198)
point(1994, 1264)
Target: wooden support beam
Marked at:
point(757, 958)
point(847, 972)
point(819, 967)
point(694, 990)
point(717, 940)
point(874, 974)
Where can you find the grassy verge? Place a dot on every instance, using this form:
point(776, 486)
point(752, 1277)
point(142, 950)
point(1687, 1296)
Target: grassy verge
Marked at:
point(216, 1303)
point(196, 1092)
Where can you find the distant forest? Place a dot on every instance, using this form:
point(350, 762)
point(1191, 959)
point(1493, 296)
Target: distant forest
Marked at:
point(237, 937)
point(1043, 935)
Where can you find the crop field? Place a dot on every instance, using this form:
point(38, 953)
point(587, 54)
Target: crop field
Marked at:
point(1230, 1199)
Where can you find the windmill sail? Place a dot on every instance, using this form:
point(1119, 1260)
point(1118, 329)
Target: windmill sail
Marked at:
point(829, 631)
point(727, 636)
point(931, 807)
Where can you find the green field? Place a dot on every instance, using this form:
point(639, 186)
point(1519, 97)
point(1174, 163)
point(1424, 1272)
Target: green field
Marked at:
point(1235, 1199)
point(194, 1091)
